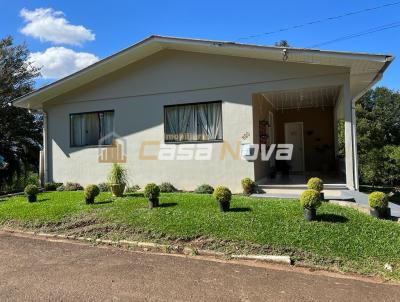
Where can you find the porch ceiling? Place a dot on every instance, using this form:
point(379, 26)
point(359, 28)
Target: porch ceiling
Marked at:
point(303, 98)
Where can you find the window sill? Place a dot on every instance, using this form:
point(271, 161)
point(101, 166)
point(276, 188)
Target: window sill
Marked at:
point(90, 146)
point(194, 142)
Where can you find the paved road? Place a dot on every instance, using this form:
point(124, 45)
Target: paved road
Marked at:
point(35, 269)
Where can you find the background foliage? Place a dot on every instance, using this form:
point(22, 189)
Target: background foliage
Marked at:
point(20, 130)
point(378, 137)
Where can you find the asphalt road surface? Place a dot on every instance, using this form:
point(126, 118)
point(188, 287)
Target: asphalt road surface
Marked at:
point(33, 269)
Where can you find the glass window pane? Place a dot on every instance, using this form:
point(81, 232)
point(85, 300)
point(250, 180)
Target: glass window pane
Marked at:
point(198, 122)
point(171, 124)
point(210, 121)
point(90, 128)
point(76, 130)
point(106, 128)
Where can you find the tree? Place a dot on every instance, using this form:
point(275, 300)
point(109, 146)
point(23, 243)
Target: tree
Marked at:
point(378, 133)
point(282, 43)
point(21, 130)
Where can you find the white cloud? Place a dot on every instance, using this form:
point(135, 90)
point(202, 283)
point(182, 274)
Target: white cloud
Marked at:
point(49, 25)
point(58, 62)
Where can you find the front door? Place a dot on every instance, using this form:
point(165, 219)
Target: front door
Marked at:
point(294, 135)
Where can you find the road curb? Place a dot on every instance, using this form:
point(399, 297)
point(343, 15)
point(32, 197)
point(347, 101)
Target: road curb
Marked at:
point(165, 248)
point(268, 258)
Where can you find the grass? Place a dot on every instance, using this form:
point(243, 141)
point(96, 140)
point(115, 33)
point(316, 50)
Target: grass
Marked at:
point(342, 237)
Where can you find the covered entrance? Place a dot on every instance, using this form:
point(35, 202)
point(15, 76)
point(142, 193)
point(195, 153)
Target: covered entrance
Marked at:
point(309, 119)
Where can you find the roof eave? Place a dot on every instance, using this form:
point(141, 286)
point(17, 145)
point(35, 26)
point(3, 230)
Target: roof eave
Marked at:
point(155, 43)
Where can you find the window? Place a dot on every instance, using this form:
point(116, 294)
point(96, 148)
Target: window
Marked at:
point(193, 122)
point(92, 128)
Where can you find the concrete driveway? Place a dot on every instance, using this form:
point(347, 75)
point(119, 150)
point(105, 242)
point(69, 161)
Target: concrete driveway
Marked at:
point(33, 269)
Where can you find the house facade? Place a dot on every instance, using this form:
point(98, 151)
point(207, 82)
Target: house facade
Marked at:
point(190, 112)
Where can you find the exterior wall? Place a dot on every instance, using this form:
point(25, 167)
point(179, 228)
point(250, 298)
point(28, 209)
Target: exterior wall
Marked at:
point(138, 94)
point(317, 133)
point(261, 110)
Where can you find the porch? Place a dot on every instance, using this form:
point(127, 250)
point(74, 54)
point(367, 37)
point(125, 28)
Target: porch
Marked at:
point(318, 123)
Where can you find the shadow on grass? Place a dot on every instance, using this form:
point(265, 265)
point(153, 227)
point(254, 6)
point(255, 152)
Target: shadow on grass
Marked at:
point(331, 218)
point(167, 204)
point(240, 210)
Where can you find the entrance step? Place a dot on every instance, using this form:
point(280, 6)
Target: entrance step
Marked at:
point(295, 193)
point(302, 186)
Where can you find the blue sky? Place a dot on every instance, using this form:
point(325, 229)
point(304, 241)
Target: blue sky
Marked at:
point(107, 27)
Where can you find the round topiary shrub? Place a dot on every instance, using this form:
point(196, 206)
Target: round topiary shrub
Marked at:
point(167, 187)
point(378, 200)
point(222, 194)
point(248, 185)
point(204, 189)
point(151, 191)
point(91, 191)
point(31, 190)
point(310, 199)
point(316, 184)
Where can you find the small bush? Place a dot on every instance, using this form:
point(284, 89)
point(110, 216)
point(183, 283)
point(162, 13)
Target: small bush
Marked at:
point(315, 183)
point(104, 187)
point(32, 179)
point(378, 200)
point(310, 199)
point(151, 191)
point(52, 186)
point(204, 189)
point(132, 189)
point(31, 190)
point(167, 187)
point(248, 185)
point(72, 186)
point(222, 194)
point(91, 191)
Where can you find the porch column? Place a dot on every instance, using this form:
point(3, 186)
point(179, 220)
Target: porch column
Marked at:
point(349, 138)
point(45, 148)
point(355, 153)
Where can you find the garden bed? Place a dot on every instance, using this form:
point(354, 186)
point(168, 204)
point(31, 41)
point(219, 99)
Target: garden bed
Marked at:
point(341, 238)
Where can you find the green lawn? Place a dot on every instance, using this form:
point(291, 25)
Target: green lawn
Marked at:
point(342, 237)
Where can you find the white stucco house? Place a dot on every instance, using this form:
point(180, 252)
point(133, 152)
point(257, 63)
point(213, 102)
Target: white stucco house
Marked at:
point(165, 95)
